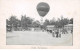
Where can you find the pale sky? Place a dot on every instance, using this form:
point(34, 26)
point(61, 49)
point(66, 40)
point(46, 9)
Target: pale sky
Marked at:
point(67, 8)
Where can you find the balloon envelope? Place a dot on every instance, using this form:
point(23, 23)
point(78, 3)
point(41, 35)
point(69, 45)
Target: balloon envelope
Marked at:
point(43, 9)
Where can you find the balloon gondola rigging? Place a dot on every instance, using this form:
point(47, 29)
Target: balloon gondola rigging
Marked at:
point(42, 9)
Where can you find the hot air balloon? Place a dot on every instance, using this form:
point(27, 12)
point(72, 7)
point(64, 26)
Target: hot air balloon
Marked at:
point(43, 9)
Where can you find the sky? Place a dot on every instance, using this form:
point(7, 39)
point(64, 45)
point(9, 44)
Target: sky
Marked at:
point(58, 8)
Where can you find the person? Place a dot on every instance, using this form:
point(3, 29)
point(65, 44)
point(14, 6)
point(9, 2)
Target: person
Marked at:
point(57, 33)
point(71, 31)
point(50, 31)
point(53, 33)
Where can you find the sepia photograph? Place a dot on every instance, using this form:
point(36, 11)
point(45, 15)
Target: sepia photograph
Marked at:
point(39, 22)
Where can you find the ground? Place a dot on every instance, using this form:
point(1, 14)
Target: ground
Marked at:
point(37, 38)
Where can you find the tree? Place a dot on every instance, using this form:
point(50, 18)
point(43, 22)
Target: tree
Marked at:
point(26, 22)
point(22, 22)
point(58, 23)
point(46, 22)
point(64, 21)
point(36, 24)
point(18, 22)
point(61, 22)
point(71, 21)
point(52, 22)
point(13, 20)
point(7, 22)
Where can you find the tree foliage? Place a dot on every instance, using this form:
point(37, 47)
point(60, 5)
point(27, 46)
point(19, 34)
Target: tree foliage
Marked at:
point(71, 21)
point(26, 22)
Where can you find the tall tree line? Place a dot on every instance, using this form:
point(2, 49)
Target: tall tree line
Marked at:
point(26, 22)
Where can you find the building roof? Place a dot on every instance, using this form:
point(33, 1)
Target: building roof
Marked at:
point(69, 25)
point(50, 25)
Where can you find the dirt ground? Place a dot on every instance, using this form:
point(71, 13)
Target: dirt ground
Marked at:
point(37, 38)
